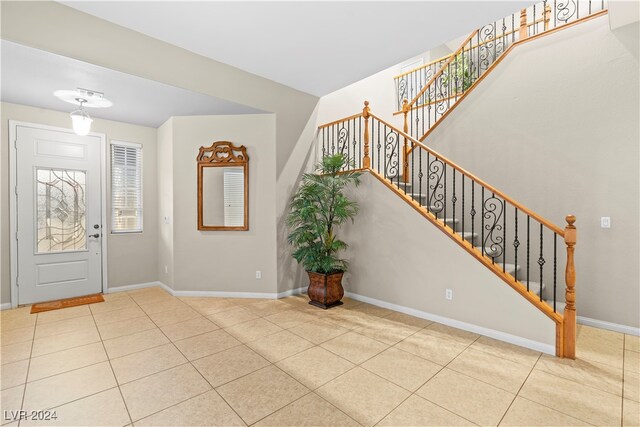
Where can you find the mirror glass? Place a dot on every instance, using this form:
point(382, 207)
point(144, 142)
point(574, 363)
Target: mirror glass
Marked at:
point(223, 196)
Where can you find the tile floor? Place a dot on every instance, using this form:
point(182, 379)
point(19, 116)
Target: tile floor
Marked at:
point(145, 358)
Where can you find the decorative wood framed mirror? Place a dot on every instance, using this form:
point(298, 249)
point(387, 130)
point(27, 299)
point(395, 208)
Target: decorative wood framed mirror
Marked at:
point(223, 187)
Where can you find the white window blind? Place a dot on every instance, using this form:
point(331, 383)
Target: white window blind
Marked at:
point(233, 197)
point(126, 187)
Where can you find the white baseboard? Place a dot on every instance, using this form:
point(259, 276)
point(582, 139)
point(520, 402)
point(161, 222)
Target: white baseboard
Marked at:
point(615, 327)
point(135, 286)
point(491, 333)
point(5, 306)
point(215, 294)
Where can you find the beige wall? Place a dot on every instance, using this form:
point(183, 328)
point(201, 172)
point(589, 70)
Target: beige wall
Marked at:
point(223, 260)
point(165, 203)
point(397, 256)
point(46, 25)
point(132, 258)
point(556, 128)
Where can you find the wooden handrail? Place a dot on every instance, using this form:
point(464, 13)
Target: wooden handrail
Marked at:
point(416, 143)
point(441, 70)
point(335, 122)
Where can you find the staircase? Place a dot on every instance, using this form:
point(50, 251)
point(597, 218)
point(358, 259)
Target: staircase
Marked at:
point(427, 94)
point(518, 245)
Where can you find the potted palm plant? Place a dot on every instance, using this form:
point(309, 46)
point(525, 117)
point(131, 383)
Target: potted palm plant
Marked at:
point(316, 210)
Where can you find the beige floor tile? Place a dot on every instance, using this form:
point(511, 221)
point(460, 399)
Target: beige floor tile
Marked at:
point(268, 307)
point(632, 342)
point(189, 328)
point(102, 409)
point(354, 347)
point(208, 306)
point(117, 315)
point(349, 303)
point(594, 374)
point(66, 341)
point(154, 393)
point(431, 348)
point(112, 296)
point(125, 327)
point(64, 326)
point(13, 374)
point(315, 366)
point(491, 369)
point(14, 336)
point(631, 386)
point(524, 412)
point(600, 345)
point(13, 352)
point(147, 362)
point(206, 344)
point(69, 386)
point(467, 397)
point(318, 331)
point(445, 332)
point(632, 361)
point(290, 318)
point(310, 410)
point(10, 400)
point(405, 319)
point(228, 365)
point(112, 305)
point(207, 409)
point(241, 302)
point(371, 310)
point(579, 401)
point(386, 331)
point(152, 298)
point(363, 396)
point(630, 413)
point(261, 393)
point(416, 411)
point(231, 317)
point(17, 323)
point(346, 318)
point(507, 351)
point(63, 314)
point(253, 330)
point(174, 316)
point(402, 368)
point(297, 301)
point(280, 345)
point(165, 305)
point(121, 346)
point(15, 313)
point(66, 360)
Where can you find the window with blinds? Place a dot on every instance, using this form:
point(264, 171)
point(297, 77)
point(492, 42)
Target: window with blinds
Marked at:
point(126, 187)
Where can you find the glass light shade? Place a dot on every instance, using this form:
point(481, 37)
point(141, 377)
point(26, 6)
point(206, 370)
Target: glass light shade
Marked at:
point(81, 122)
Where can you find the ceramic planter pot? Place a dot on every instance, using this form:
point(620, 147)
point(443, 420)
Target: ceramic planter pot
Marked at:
point(325, 290)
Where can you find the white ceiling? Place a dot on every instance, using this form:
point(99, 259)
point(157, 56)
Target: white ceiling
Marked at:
point(30, 76)
point(314, 46)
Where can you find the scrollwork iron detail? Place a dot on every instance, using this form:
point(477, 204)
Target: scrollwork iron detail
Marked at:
point(391, 161)
point(493, 211)
point(436, 196)
point(565, 10)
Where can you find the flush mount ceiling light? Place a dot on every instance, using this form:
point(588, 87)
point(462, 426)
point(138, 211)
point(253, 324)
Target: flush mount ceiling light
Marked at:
point(84, 98)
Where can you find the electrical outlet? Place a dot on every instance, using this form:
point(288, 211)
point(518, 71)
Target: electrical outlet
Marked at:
point(605, 222)
point(448, 294)
point(166, 269)
point(258, 274)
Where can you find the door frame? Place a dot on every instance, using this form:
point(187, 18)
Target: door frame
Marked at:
point(13, 205)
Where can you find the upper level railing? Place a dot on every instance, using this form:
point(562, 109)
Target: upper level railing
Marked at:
point(427, 93)
point(517, 244)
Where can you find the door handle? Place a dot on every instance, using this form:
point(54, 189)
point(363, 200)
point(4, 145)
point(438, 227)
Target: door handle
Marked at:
point(94, 235)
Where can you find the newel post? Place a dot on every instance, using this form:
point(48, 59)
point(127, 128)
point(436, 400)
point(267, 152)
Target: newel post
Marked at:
point(366, 160)
point(524, 30)
point(569, 324)
point(547, 17)
point(405, 147)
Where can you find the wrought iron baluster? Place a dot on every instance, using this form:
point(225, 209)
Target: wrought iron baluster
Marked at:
point(454, 199)
point(534, 27)
point(528, 247)
point(444, 200)
point(360, 143)
point(541, 260)
point(462, 211)
point(482, 224)
point(516, 243)
point(504, 237)
point(413, 185)
point(420, 174)
point(555, 267)
point(378, 146)
point(473, 213)
point(428, 202)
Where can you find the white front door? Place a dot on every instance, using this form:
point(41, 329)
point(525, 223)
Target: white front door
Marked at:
point(59, 227)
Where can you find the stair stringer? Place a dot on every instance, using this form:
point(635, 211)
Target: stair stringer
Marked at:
point(397, 257)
